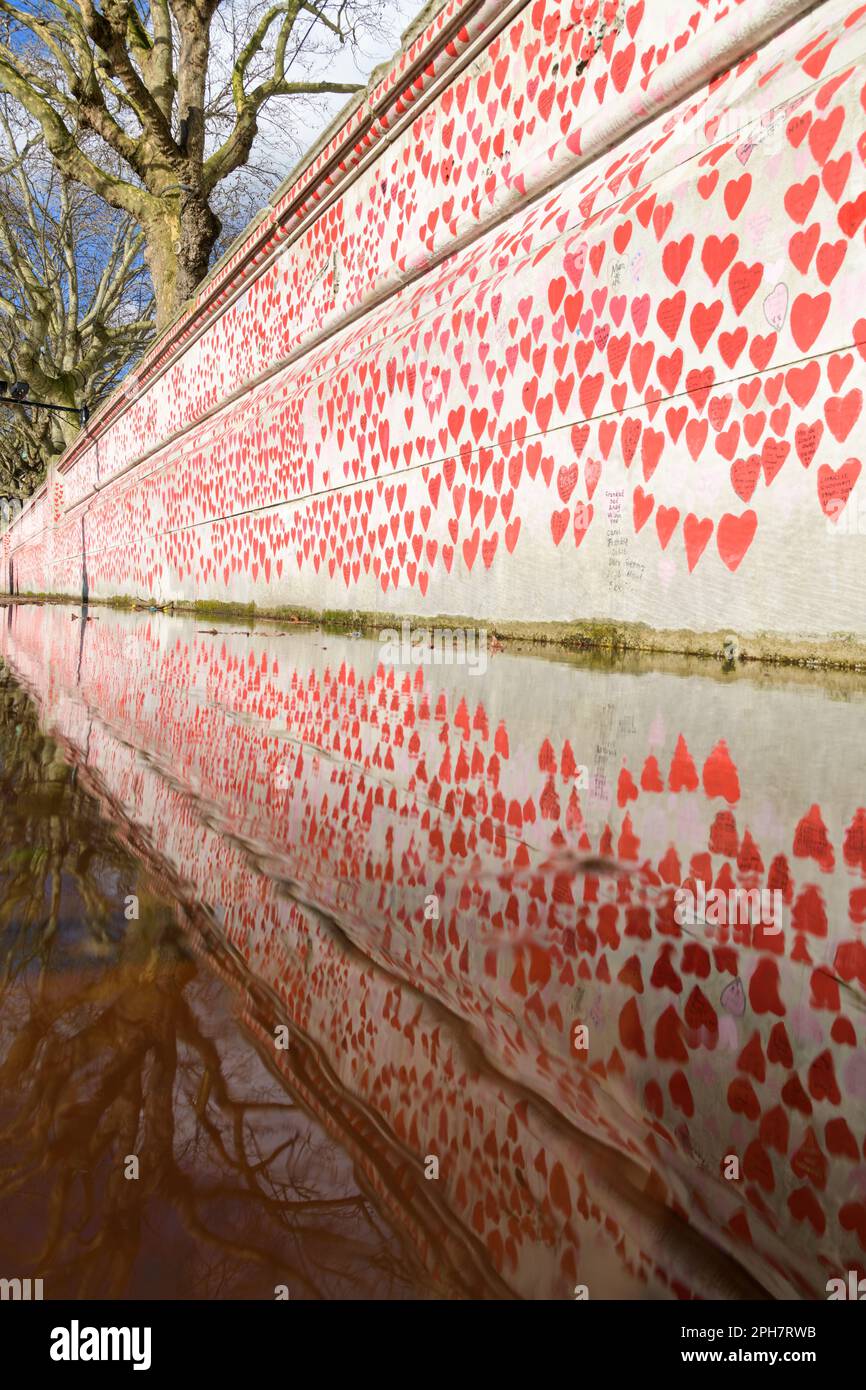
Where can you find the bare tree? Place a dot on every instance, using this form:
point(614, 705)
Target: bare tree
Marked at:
point(26, 444)
point(76, 302)
point(171, 102)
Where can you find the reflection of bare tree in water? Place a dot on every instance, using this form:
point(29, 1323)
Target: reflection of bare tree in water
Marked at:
point(113, 1043)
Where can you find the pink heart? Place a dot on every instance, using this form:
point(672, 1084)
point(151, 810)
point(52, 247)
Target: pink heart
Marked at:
point(733, 998)
point(776, 307)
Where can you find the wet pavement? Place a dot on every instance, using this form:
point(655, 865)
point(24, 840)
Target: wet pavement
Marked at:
point(348, 979)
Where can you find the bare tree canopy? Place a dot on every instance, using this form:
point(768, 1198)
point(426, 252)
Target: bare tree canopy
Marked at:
point(151, 105)
point(23, 457)
point(76, 303)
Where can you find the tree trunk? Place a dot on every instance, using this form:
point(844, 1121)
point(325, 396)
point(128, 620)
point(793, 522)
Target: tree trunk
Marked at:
point(199, 229)
point(178, 253)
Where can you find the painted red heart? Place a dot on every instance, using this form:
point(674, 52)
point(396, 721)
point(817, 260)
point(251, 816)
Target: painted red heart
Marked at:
point(834, 486)
point(734, 536)
point(808, 316)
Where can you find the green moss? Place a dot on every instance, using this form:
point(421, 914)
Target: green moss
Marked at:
point(838, 651)
point(336, 621)
point(212, 608)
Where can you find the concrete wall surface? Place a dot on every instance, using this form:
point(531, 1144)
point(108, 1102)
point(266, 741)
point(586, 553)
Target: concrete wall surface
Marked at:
point(565, 322)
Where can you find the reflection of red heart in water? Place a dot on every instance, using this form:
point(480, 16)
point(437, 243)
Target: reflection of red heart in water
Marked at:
point(852, 1217)
point(795, 1097)
point(631, 1030)
point(626, 789)
point(751, 1059)
point(764, 989)
point(650, 778)
point(779, 1046)
point(683, 774)
point(758, 1166)
point(809, 1162)
point(854, 846)
point(720, 774)
point(681, 1094)
point(812, 842)
point(723, 835)
point(775, 1130)
point(664, 976)
point(822, 1079)
point(804, 1206)
point(668, 1042)
point(742, 1099)
point(631, 976)
point(699, 1012)
point(840, 1141)
point(655, 1101)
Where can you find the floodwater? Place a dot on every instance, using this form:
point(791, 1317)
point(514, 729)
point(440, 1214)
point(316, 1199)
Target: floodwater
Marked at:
point(324, 977)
